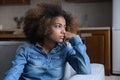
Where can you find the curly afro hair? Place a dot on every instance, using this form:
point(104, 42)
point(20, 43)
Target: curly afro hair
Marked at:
point(37, 21)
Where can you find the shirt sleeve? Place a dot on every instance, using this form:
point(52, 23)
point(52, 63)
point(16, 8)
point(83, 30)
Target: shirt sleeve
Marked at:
point(78, 57)
point(17, 65)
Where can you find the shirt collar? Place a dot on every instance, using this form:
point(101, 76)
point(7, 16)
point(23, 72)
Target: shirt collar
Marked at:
point(58, 46)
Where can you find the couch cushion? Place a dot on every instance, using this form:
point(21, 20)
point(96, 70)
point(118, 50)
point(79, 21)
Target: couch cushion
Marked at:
point(97, 73)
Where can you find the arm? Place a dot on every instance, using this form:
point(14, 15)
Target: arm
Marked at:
point(77, 56)
point(17, 65)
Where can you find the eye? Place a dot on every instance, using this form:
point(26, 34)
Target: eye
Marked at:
point(58, 25)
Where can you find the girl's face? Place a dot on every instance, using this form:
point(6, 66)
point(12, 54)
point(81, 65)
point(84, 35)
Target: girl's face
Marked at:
point(58, 25)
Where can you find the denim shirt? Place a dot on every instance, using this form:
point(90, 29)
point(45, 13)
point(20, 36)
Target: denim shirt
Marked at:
point(32, 63)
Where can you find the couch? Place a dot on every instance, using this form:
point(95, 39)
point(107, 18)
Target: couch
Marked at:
point(97, 73)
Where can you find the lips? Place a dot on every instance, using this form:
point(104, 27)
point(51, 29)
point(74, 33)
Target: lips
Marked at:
point(62, 37)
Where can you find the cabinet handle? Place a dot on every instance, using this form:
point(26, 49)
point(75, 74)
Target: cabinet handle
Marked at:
point(83, 35)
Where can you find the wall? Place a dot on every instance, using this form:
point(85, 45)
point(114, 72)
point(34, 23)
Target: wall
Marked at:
point(95, 14)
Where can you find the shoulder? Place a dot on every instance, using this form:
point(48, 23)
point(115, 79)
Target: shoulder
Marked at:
point(25, 46)
point(24, 49)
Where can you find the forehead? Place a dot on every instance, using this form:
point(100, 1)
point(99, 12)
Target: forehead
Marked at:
point(59, 19)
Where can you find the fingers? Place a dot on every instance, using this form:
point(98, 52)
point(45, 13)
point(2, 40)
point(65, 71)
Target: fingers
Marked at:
point(69, 35)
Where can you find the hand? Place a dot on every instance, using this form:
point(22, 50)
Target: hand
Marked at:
point(68, 36)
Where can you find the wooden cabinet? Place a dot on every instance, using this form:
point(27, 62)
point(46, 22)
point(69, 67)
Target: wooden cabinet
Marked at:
point(87, 1)
point(14, 2)
point(98, 47)
point(8, 36)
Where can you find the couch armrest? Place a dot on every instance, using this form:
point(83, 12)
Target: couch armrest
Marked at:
point(97, 73)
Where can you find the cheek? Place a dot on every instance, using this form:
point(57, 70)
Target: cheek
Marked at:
point(55, 32)
point(54, 35)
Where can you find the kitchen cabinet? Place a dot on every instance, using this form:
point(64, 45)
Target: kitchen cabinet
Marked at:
point(14, 2)
point(98, 47)
point(87, 1)
point(9, 35)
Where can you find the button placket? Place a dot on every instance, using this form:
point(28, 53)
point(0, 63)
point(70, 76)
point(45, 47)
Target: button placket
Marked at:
point(48, 60)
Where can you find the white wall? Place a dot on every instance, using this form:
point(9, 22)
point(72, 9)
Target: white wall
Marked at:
point(98, 14)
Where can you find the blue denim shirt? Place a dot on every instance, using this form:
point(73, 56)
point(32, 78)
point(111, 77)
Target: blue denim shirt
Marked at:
point(32, 63)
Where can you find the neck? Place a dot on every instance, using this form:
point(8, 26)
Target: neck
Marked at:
point(48, 45)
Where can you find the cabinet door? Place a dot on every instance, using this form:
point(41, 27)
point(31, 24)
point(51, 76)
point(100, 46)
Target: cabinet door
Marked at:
point(98, 47)
point(14, 2)
point(95, 48)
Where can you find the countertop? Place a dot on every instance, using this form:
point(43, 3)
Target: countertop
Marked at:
point(12, 36)
point(95, 28)
point(21, 35)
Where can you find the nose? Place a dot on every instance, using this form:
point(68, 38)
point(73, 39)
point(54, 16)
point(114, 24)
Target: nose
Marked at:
point(63, 30)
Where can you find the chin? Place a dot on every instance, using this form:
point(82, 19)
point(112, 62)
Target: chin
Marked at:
point(61, 41)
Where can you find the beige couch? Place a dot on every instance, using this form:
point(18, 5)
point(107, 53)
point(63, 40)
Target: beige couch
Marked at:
point(97, 73)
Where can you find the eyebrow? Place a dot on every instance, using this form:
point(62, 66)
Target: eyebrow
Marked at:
point(60, 24)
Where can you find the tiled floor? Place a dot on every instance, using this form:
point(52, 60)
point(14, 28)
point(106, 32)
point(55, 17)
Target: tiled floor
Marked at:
point(112, 78)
